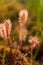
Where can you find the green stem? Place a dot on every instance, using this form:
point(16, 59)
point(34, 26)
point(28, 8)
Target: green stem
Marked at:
point(3, 58)
point(38, 25)
point(31, 58)
point(38, 16)
point(37, 50)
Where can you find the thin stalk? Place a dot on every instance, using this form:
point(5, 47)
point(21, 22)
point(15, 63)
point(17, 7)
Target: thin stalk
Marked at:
point(38, 16)
point(31, 59)
point(37, 50)
point(38, 25)
point(3, 58)
point(19, 45)
point(31, 56)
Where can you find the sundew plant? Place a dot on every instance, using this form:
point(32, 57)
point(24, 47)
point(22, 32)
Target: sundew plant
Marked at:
point(21, 32)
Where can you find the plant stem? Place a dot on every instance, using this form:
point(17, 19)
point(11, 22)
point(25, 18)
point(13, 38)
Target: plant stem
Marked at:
point(31, 59)
point(3, 58)
point(38, 16)
point(38, 25)
point(31, 56)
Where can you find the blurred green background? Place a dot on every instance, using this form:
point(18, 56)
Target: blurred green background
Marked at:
point(9, 9)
